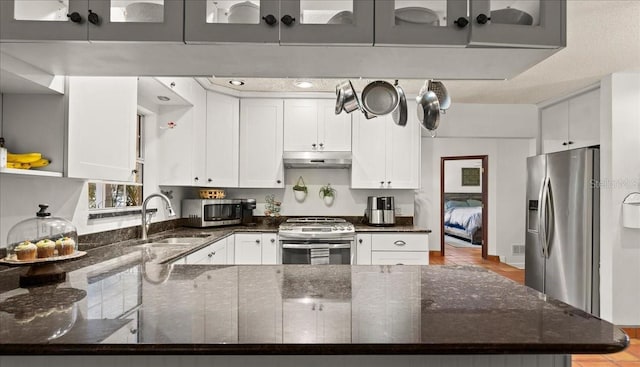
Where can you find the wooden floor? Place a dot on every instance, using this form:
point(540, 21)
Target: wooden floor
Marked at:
point(471, 256)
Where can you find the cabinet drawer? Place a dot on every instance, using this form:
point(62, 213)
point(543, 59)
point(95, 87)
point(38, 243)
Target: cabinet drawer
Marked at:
point(400, 258)
point(399, 242)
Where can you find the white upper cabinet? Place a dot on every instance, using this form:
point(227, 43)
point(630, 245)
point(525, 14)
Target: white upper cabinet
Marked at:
point(101, 127)
point(510, 23)
point(261, 144)
point(222, 140)
point(93, 20)
point(337, 22)
point(312, 125)
point(180, 152)
point(386, 155)
point(572, 123)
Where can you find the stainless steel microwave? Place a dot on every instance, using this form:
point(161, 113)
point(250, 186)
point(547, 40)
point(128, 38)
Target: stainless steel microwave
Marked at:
point(212, 212)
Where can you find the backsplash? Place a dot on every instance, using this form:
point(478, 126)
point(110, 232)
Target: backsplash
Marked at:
point(348, 202)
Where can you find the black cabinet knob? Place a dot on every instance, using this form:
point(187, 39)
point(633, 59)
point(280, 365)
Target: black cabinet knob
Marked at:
point(93, 18)
point(196, 179)
point(565, 143)
point(209, 180)
point(482, 19)
point(288, 20)
point(270, 20)
point(279, 181)
point(461, 22)
point(75, 17)
point(570, 142)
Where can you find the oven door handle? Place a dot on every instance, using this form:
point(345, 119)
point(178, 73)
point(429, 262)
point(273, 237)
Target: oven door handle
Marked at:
point(309, 246)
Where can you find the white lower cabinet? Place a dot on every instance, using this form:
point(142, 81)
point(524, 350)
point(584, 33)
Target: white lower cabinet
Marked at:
point(269, 248)
point(216, 253)
point(394, 320)
point(218, 323)
point(392, 249)
point(256, 248)
point(322, 321)
point(259, 304)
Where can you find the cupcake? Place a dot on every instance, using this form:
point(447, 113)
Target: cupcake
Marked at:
point(65, 246)
point(25, 251)
point(46, 248)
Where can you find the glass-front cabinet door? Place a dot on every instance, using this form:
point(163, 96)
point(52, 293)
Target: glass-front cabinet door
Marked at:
point(43, 20)
point(326, 22)
point(136, 20)
point(421, 22)
point(94, 20)
point(518, 23)
point(222, 21)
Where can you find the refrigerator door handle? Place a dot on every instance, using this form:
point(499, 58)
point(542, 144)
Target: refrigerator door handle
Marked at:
point(542, 222)
point(550, 216)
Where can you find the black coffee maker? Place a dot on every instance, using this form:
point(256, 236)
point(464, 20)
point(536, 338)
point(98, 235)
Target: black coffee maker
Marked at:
point(247, 211)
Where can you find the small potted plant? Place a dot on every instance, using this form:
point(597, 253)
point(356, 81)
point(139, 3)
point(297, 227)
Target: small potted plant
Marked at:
point(300, 190)
point(327, 193)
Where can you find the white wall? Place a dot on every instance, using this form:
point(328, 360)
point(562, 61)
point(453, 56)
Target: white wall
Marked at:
point(468, 120)
point(507, 186)
point(507, 134)
point(347, 202)
point(620, 175)
point(453, 175)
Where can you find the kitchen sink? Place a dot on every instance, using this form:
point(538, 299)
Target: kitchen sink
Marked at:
point(179, 240)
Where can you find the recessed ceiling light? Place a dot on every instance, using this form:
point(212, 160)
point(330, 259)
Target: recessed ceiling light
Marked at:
point(304, 84)
point(237, 83)
point(164, 98)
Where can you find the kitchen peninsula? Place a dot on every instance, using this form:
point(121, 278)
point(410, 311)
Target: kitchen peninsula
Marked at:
point(235, 315)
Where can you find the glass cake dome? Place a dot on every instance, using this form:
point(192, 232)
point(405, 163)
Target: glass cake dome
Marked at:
point(41, 237)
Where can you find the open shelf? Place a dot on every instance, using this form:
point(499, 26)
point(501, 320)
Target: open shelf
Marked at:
point(30, 172)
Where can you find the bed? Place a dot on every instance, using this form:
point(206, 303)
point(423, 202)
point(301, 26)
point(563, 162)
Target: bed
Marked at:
point(463, 216)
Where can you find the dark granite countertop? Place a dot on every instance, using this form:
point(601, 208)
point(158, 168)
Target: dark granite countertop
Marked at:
point(290, 309)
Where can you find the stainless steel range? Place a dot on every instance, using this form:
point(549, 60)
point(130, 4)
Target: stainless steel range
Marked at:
point(317, 241)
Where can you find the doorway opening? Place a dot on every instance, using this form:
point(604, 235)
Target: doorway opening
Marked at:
point(464, 188)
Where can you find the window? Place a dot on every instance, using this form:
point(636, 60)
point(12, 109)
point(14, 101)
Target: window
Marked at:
point(121, 195)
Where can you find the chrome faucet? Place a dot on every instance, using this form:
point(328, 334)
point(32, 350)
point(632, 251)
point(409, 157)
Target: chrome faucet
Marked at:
point(145, 225)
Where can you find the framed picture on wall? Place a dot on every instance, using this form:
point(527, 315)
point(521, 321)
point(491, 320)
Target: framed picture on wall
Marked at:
point(471, 176)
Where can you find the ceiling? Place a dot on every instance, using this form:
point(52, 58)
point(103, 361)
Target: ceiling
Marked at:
point(603, 37)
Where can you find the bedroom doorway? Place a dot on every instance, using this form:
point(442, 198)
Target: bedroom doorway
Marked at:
point(464, 188)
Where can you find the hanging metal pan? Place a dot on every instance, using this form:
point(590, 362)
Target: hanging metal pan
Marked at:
point(441, 92)
point(428, 110)
point(351, 102)
point(379, 98)
point(400, 113)
point(339, 100)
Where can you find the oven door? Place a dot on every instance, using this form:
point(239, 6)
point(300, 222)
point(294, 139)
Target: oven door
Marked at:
point(316, 252)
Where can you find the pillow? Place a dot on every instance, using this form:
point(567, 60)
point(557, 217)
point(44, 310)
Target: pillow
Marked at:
point(454, 204)
point(474, 202)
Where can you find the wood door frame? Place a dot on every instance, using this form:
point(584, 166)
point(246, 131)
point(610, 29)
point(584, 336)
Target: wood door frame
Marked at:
point(485, 197)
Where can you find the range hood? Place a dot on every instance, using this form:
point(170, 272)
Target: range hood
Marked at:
point(317, 159)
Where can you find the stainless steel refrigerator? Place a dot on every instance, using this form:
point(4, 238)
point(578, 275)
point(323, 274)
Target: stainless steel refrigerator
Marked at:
point(562, 245)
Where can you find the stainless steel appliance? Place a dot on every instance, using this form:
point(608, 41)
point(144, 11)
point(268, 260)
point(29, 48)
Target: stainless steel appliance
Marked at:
point(212, 212)
point(247, 211)
point(562, 245)
point(317, 241)
point(381, 211)
point(317, 159)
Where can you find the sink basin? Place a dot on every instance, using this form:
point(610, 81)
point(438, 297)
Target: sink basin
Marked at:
point(179, 240)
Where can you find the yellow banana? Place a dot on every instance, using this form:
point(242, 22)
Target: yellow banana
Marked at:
point(18, 165)
point(39, 163)
point(23, 158)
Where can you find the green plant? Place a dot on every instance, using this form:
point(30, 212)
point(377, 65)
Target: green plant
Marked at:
point(327, 191)
point(300, 186)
